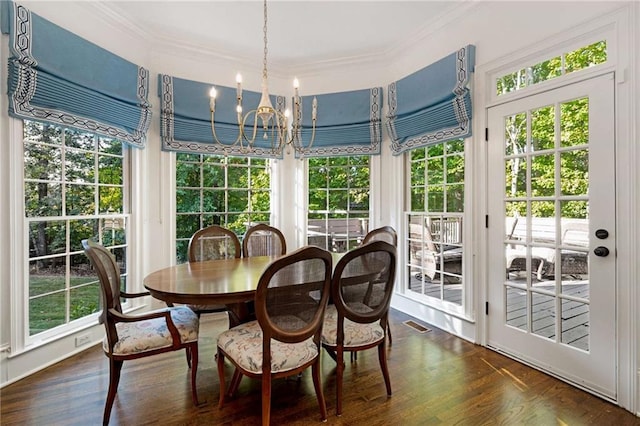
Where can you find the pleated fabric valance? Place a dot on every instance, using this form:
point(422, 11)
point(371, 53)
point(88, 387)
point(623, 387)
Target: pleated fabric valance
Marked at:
point(433, 104)
point(185, 118)
point(58, 77)
point(349, 123)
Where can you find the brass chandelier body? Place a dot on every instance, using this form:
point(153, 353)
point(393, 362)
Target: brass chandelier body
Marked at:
point(274, 124)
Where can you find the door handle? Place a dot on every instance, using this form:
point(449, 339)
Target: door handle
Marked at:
point(601, 251)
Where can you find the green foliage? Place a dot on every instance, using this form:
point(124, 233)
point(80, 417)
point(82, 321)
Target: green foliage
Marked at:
point(437, 177)
point(539, 150)
point(338, 184)
point(578, 59)
point(227, 191)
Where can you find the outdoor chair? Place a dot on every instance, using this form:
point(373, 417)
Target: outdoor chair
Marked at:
point(136, 336)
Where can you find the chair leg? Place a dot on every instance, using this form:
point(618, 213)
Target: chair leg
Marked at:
point(115, 367)
point(331, 353)
point(317, 383)
point(235, 382)
point(389, 334)
point(339, 376)
point(193, 354)
point(188, 353)
point(266, 399)
point(382, 357)
point(221, 377)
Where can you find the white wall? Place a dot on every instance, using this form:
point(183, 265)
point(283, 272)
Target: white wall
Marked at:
point(495, 28)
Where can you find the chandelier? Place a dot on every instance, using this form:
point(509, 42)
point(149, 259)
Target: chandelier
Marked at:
point(277, 131)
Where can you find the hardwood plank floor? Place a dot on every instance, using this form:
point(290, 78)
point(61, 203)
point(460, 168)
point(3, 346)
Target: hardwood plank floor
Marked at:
point(437, 379)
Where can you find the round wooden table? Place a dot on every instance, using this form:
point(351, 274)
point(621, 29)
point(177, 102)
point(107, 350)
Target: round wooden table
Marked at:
point(230, 282)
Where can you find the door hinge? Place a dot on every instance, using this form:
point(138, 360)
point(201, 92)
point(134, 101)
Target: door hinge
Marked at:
point(486, 308)
point(486, 221)
point(486, 134)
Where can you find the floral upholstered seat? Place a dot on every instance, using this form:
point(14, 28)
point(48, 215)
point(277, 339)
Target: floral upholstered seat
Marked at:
point(152, 334)
point(354, 334)
point(244, 344)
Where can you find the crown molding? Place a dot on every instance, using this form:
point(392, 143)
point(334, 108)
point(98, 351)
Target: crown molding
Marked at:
point(164, 43)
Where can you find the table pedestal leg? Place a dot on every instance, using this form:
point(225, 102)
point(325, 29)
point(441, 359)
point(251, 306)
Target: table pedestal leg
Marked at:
point(238, 313)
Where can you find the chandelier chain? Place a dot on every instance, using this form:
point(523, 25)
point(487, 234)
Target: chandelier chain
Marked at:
point(264, 30)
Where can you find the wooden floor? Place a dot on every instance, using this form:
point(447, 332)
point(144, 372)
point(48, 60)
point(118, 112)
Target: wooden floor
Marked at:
point(437, 379)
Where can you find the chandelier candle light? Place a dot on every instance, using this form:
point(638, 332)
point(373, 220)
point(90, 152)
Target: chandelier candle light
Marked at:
point(274, 123)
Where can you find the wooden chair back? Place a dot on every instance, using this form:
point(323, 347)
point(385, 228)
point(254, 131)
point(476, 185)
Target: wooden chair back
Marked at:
point(263, 240)
point(212, 243)
point(384, 233)
point(104, 263)
point(291, 298)
point(362, 284)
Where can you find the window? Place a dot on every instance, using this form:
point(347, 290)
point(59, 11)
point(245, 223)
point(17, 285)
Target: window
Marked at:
point(338, 211)
point(566, 63)
point(76, 187)
point(232, 192)
point(434, 223)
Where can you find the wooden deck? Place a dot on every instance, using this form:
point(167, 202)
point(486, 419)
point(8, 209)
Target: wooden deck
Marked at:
point(574, 315)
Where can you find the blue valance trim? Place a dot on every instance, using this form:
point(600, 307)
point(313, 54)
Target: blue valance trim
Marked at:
point(185, 118)
point(433, 104)
point(58, 77)
point(348, 123)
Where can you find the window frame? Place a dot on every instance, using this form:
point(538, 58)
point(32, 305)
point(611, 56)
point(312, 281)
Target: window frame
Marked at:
point(20, 338)
point(222, 162)
point(540, 55)
point(327, 213)
point(465, 309)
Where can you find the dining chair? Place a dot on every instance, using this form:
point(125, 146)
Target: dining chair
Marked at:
point(290, 302)
point(212, 243)
point(389, 235)
point(361, 289)
point(384, 233)
point(263, 240)
point(136, 336)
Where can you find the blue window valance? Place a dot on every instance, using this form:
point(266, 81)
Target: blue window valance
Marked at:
point(61, 78)
point(348, 123)
point(185, 118)
point(433, 104)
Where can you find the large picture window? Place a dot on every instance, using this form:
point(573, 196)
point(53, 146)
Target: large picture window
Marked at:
point(75, 187)
point(233, 192)
point(434, 222)
point(338, 211)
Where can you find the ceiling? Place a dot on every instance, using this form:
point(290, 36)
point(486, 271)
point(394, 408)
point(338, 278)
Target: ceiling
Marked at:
point(303, 31)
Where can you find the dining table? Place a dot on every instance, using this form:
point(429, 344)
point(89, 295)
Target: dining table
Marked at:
point(230, 282)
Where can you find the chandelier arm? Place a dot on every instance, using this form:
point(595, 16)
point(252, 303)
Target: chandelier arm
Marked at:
point(252, 139)
point(215, 136)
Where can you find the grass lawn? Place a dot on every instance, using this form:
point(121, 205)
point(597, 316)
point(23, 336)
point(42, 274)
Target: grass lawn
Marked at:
point(48, 300)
